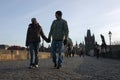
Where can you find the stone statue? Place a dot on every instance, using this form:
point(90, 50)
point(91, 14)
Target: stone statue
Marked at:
point(103, 45)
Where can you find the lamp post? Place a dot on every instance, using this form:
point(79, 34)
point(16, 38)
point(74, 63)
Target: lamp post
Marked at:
point(110, 34)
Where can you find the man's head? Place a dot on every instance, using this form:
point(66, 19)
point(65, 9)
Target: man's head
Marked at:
point(34, 21)
point(58, 14)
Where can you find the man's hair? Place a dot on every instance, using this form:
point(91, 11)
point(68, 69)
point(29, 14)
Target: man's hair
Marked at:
point(33, 19)
point(59, 13)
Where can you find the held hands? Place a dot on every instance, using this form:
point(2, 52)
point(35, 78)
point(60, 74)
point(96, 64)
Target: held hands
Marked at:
point(48, 40)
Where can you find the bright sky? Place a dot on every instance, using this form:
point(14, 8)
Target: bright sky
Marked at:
point(100, 16)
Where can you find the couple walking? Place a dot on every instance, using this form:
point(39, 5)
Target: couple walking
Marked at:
point(59, 34)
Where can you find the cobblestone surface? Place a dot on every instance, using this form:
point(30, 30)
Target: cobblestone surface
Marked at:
point(74, 68)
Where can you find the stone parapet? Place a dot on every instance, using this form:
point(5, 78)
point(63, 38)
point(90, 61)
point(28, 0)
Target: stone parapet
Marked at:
point(19, 55)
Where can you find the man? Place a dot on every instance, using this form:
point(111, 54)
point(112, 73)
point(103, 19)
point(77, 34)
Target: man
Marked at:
point(59, 33)
point(33, 40)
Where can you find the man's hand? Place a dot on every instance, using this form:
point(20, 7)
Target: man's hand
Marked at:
point(65, 42)
point(48, 40)
point(27, 44)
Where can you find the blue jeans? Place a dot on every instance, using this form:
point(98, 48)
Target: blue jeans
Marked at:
point(34, 49)
point(56, 47)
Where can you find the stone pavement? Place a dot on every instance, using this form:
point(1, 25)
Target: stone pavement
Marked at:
point(74, 68)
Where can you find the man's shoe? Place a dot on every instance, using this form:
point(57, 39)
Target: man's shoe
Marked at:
point(59, 66)
point(31, 67)
point(55, 65)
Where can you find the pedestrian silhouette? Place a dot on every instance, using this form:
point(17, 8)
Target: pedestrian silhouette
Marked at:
point(59, 33)
point(33, 40)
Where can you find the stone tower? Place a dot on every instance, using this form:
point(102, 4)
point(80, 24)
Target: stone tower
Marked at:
point(89, 42)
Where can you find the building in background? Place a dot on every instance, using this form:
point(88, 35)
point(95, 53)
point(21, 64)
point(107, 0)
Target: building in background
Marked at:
point(89, 43)
point(5, 47)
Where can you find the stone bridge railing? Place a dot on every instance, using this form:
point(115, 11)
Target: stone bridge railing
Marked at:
point(19, 55)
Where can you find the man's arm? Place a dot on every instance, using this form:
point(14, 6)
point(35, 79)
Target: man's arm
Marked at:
point(66, 30)
point(51, 30)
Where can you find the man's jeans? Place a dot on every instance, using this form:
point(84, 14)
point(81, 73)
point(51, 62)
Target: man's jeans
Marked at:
point(34, 49)
point(56, 47)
